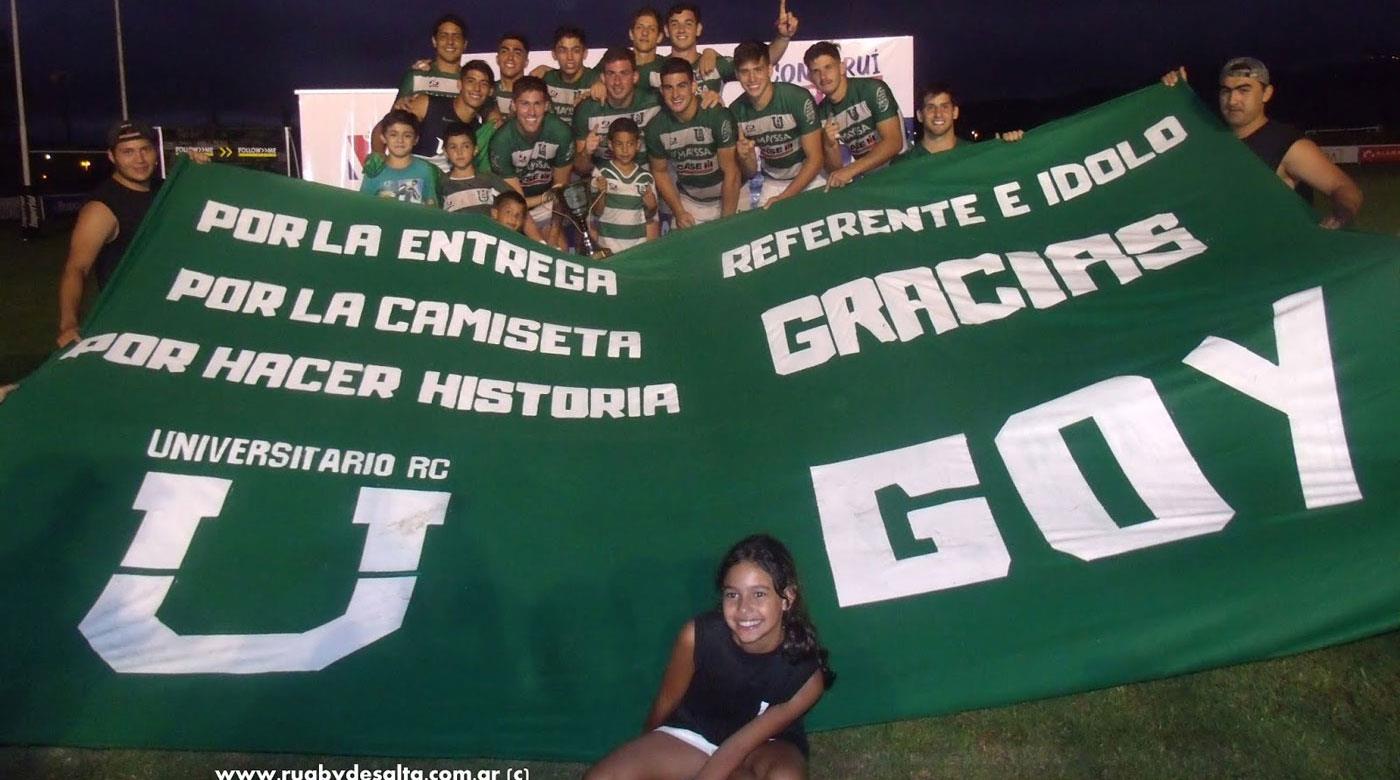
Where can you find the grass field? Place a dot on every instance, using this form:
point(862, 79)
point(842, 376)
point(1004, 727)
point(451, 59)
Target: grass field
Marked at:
point(1330, 713)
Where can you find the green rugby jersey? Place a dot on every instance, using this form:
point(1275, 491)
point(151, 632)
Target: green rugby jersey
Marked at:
point(433, 82)
point(649, 75)
point(592, 116)
point(505, 98)
point(693, 148)
point(532, 159)
point(563, 96)
point(868, 102)
point(474, 195)
point(777, 128)
point(624, 212)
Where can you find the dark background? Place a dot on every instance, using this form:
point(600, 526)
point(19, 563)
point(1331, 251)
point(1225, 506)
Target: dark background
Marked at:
point(1015, 64)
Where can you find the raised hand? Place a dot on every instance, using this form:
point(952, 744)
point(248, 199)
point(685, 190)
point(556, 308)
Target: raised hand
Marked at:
point(1172, 77)
point(831, 133)
point(744, 146)
point(787, 22)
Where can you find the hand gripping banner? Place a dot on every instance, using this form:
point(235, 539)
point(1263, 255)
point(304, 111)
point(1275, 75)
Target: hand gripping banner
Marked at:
point(327, 474)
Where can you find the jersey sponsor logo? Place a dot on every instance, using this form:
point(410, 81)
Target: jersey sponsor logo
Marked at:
point(769, 124)
point(542, 150)
point(773, 151)
point(686, 137)
point(861, 143)
point(702, 167)
point(434, 84)
point(860, 112)
point(465, 199)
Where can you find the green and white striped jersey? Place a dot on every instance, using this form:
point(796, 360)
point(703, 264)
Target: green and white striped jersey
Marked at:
point(867, 103)
point(693, 148)
point(592, 116)
point(624, 215)
point(777, 128)
point(563, 96)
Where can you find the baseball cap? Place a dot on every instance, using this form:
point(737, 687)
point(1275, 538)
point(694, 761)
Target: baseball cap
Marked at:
point(1246, 68)
point(129, 130)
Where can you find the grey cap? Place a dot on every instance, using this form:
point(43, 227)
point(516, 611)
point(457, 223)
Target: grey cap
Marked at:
point(1246, 68)
point(129, 130)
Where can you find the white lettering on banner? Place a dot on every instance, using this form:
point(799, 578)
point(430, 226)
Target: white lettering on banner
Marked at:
point(1059, 184)
point(1147, 446)
point(883, 308)
point(863, 563)
point(281, 455)
point(484, 395)
point(122, 626)
point(455, 320)
point(304, 374)
point(1143, 440)
point(1302, 385)
point(532, 265)
point(137, 349)
point(265, 227)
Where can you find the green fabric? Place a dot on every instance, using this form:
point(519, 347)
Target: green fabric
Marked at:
point(593, 116)
point(564, 95)
point(961, 484)
point(867, 102)
point(693, 148)
point(531, 159)
point(778, 127)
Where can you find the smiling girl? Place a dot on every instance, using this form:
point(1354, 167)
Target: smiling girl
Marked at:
point(739, 681)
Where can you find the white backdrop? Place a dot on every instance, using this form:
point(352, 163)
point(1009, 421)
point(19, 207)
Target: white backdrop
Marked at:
point(335, 123)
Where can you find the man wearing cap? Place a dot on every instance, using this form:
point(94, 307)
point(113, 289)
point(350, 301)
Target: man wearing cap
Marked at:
point(1244, 90)
point(108, 220)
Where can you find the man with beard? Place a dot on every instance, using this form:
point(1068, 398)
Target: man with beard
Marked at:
point(1245, 88)
point(622, 98)
point(108, 221)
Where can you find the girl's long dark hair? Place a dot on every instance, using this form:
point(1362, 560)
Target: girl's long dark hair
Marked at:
point(800, 641)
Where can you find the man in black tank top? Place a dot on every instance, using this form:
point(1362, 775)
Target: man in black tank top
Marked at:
point(1245, 88)
point(108, 221)
point(471, 106)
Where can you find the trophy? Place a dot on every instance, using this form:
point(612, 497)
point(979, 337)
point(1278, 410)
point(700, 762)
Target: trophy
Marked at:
point(575, 203)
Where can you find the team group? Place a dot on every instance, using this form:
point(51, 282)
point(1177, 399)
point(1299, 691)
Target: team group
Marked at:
point(648, 132)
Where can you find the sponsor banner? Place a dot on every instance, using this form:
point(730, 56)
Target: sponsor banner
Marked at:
point(335, 124)
point(1373, 153)
point(333, 475)
point(259, 148)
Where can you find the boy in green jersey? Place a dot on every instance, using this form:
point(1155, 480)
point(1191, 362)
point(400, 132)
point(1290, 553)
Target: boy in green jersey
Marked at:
point(534, 152)
point(699, 142)
point(571, 82)
point(466, 189)
point(437, 76)
point(860, 113)
point(777, 123)
point(404, 177)
point(622, 99)
point(629, 192)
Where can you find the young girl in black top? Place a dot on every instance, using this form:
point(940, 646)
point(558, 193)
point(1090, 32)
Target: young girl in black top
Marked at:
point(739, 681)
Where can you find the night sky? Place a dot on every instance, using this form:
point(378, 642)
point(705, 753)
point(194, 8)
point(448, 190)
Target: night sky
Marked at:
point(239, 62)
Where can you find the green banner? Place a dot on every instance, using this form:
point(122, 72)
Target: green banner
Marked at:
point(333, 475)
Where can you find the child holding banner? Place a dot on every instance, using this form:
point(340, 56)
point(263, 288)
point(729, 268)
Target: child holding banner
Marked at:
point(739, 680)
